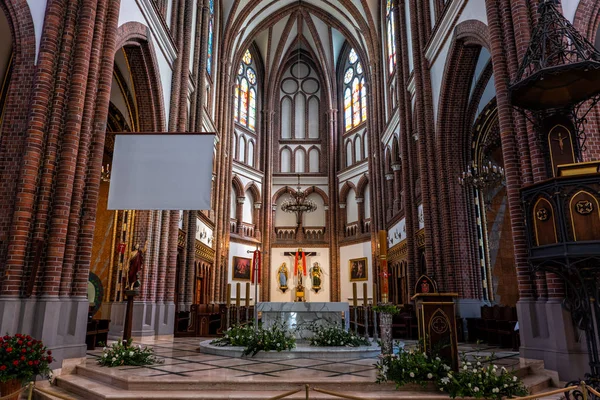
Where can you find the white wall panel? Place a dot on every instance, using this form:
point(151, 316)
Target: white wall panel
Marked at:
point(346, 254)
point(278, 257)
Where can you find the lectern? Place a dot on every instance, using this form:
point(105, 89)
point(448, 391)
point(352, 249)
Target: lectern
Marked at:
point(437, 320)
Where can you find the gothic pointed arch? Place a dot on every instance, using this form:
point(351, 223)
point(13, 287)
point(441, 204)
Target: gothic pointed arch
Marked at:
point(238, 186)
point(362, 185)
point(345, 190)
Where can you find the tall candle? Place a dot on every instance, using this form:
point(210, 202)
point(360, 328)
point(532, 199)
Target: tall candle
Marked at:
point(238, 289)
point(228, 298)
point(374, 293)
point(365, 293)
point(354, 295)
point(247, 294)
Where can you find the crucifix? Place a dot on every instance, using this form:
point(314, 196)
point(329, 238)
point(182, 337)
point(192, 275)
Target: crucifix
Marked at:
point(299, 256)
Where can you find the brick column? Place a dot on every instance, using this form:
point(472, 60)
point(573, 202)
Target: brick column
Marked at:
point(391, 197)
point(332, 215)
point(239, 214)
point(408, 160)
point(257, 219)
point(84, 151)
point(397, 182)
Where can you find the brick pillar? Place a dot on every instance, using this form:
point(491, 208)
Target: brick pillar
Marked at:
point(332, 215)
point(84, 151)
point(172, 259)
point(92, 179)
point(397, 182)
point(392, 197)
point(239, 214)
point(421, 130)
point(257, 219)
point(407, 158)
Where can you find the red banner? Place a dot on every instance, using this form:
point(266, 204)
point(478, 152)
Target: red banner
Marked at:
point(256, 266)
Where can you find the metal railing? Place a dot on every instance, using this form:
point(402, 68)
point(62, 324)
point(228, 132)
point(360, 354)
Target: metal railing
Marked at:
point(583, 392)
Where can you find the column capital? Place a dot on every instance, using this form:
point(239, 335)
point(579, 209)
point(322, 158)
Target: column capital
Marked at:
point(389, 177)
point(241, 200)
point(396, 167)
point(342, 205)
point(360, 200)
point(257, 205)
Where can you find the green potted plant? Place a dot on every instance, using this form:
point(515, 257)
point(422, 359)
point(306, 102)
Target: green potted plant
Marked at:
point(22, 359)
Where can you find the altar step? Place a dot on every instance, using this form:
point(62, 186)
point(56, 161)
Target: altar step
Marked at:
point(97, 384)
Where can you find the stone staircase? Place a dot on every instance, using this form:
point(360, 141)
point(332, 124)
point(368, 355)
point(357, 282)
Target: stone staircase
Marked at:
point(92, 383)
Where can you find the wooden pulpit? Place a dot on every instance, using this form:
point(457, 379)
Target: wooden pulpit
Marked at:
point(437, 320)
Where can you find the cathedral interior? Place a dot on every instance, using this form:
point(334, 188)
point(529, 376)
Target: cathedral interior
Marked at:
point(333, 121)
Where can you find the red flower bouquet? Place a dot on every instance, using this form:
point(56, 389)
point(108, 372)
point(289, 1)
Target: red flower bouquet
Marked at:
point(22, 358)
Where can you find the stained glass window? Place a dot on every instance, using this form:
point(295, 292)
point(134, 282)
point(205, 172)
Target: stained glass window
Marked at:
point(245, 95)
point(363, 99)
point(355, 92)
point(391, 38)
point(349, 75)
point(244, 102)
point(251, 75)
point(353, 57)
point(252, 110)
point(209, 54)
point(348, 108)
point(247, 58)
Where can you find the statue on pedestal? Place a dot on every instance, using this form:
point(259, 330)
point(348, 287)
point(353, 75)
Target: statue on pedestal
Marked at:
point(315, 273)
point(136, 264)
point(282, 275)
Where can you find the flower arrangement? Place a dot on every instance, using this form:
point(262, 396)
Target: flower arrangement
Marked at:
point(22, 358)
point(477, 378)
point(387, 308)
point(333, 335)
point(474, 379)
point(412, 366)
point(124, 353)
point(276, 337)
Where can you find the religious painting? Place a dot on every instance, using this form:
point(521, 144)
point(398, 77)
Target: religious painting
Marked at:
point(358, 269)
point(242, 268)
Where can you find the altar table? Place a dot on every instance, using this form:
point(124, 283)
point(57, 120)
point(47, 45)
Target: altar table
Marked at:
point(295, 315)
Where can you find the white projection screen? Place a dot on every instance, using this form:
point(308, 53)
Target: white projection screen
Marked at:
point(161, 171)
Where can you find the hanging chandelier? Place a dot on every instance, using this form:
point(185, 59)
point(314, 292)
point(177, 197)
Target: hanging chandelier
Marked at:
point(299, 203)
point(486, 177)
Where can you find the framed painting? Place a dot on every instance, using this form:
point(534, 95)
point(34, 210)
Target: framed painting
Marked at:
point(242, 268)
point(359, 269)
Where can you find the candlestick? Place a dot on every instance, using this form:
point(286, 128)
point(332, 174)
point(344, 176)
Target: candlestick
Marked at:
point(365, 293)
point(354, 295)
point(238, 289)
point(247, 294)
point(228, 299)
point(374, 293)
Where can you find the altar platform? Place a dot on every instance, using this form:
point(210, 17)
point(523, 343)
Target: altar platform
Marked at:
point(188, 374)
point(299, 314)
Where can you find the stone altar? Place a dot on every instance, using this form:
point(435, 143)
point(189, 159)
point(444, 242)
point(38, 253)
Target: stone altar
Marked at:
point(294, 315)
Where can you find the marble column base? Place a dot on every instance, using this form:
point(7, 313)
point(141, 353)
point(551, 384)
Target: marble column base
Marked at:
point(60, 322)
point(548, 334)
point(149, 320)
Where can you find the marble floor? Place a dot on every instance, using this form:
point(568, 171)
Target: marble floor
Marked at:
point(181, 358)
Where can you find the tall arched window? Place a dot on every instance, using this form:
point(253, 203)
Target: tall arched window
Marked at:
point(211, 28)
point(391, 38)
point(245, 93)
point(355, 92)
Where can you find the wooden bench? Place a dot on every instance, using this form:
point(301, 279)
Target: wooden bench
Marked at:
point(96, 333)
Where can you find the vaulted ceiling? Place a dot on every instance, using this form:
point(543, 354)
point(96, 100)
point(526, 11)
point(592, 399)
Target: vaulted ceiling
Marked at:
point(279, 27)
